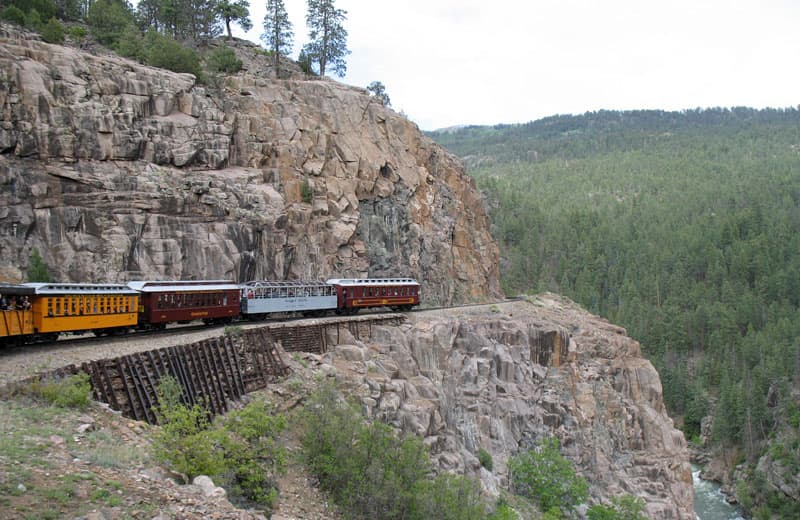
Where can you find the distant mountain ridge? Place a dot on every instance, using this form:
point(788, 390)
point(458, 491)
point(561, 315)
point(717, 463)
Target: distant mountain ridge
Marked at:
point(505, 142)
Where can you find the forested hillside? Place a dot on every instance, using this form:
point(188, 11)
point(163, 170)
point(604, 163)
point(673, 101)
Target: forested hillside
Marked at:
point(684, 228)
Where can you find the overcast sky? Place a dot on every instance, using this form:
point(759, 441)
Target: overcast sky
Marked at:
point(459, 62)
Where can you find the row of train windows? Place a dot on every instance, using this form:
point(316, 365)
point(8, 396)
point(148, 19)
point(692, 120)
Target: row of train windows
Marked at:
point(384, 291)
point(79, 305)
point(289, 292)
point(172, 301)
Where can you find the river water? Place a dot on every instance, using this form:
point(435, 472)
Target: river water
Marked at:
point(709, 502)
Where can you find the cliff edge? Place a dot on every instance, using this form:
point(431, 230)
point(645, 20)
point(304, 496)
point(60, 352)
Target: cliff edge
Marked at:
point(114, 170)
point(502, 377)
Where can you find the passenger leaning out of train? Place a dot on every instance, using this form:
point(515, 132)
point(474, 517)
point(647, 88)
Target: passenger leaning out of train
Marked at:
point(26, 304)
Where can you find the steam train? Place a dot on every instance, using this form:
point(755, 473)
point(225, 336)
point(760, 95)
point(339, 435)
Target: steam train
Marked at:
point(43, 311)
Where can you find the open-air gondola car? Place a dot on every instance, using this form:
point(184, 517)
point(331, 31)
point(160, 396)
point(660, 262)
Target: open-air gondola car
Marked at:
point(357, 293)
point(15, 325)
point(262, 298)
point(162, 302)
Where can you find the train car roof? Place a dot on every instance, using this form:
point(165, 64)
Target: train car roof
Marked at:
point(79, 288)
point(16, 289)
point(275, 284)
point(183, 285)
point(372, 281)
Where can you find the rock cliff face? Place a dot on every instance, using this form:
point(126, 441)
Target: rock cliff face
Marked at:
point(504, 378)
point(115, 171)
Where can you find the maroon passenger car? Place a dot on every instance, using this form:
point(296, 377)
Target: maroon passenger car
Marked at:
point(162, 302)
point(358, 293)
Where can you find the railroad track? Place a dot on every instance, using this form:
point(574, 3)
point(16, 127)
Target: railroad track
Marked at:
point(86, 340)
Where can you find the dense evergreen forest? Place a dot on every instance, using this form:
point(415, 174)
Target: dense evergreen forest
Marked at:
point(683, 227)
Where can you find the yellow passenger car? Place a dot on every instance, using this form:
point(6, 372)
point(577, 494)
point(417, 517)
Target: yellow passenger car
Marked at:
point(65, 307)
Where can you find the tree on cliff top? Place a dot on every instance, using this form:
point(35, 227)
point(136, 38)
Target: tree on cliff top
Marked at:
point(328, 44)
point(237, 11)
point(278, 32)
point(379, 91)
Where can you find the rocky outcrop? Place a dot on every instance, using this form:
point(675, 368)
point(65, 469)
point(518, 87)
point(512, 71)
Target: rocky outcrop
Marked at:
point(502, 379)
point(115, 171)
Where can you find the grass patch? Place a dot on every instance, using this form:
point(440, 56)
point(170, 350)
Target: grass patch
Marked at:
point(69, 392)
point(62, 494)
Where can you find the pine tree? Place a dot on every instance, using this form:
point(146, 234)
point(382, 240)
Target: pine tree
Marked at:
point(277, 31)
point(379, 91)
point(328, 44)
point(37, 268)
point(237, 11)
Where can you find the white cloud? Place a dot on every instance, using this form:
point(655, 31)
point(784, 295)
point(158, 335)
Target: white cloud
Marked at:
point(448, 62)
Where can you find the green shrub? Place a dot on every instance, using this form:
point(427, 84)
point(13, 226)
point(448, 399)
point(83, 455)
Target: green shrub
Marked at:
point(33, 20)
point(234, 330)
point(37, 268)
point(240, 450)
point(131, 44)
point(107, 19)
point(45, 8)
point(485, 458)
point(306, 192)
point(53, 32)
point(503, 511)
point(252, 453)
point(448, 497)
point(544, 475)
point(77, 32)
point(369, 472)
point(13, 14)
point(165, 52)
point(626, 507)
point(69, 392)
point(186, 443)
point(223, 59)
point(306, 63)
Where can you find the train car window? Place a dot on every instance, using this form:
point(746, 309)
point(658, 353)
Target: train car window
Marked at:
point(49, 307)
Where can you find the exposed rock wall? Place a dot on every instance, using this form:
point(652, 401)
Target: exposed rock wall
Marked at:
point(115, 171)
point(503, 380)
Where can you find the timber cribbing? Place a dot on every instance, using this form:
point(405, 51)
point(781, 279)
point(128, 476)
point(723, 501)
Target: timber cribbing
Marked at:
point(215, 371)
point(313, 337)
